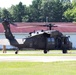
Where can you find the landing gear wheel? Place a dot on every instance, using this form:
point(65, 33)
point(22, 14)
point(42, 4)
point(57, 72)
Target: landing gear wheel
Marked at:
point(16, 52)
point(45, 51)
point(64, 50)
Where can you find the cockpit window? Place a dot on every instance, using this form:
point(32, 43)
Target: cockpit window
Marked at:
point(66, 40)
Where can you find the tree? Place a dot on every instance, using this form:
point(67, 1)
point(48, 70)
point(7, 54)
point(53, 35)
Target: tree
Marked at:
point(58, 11)
point(17, 12)
point(70, 14)
point(66, 5)
point(0, 14)
point(35, 10)
point(53, 10)
point(41, 11)
point(5, 14)
point(74, 3)
point(65, 1)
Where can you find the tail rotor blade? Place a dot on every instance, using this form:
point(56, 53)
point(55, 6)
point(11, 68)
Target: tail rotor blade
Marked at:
point(13, 24)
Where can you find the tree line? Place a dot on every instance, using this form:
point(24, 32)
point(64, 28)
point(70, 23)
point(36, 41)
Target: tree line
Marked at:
point(41, 11)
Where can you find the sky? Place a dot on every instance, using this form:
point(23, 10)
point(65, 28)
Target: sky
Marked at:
point(9, 3)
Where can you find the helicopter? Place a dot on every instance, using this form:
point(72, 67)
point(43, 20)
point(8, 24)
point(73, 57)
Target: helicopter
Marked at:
point(45, 40)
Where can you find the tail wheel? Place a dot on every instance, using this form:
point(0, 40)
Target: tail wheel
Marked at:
point(16, 52)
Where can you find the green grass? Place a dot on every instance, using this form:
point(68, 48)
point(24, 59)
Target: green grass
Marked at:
point(38, 68)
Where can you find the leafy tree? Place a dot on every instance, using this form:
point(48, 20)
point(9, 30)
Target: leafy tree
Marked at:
point(65, 1)
point(20, 11)
point(25, 18)
point(5, 14)
point(74, 3)
point(0, 12)
point(66, 5)
point(17, 12)
point(41, 10)
point(58, 11)
point(70, 14)
point(35, 10)
point(12, 11)
point(53, 10)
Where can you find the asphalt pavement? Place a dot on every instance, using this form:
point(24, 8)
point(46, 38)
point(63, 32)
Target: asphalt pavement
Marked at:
point(37, 58)
point(9, 58)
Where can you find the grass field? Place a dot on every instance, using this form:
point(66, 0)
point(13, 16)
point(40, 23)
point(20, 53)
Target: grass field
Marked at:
point(37, 68)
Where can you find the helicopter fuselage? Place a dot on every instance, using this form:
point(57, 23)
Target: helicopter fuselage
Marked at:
point(48, 41)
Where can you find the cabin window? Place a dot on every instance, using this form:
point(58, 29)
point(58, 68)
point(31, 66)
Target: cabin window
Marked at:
point(50, 40)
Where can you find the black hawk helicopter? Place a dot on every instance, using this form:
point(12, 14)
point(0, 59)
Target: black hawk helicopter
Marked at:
point(46, 40)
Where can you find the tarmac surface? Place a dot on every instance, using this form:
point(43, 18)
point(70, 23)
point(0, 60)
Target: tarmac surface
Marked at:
point(16, 58)
point(37, 58)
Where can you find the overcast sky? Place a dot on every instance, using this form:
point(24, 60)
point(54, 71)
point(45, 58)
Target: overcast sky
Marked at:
point(8, 3)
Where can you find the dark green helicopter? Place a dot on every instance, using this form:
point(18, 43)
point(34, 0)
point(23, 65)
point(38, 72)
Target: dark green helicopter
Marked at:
point(46, 40)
